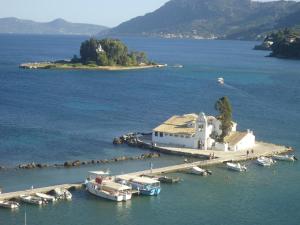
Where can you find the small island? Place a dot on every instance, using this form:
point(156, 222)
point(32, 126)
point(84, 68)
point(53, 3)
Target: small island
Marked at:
point(105, 54)
point(282, 44)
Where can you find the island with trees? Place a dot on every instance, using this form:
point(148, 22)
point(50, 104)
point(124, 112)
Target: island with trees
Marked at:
point(282, 44)
point(104, 54)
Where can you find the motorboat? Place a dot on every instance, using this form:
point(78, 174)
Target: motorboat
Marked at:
point(105, 187)
point(221, 80)
point(291, 158)
point(265, 161)
point(9, 204)
point(32, 199)
point(199, 171)
point(144, 185)
point(169, 180)
point(62, 193)
point(46, 197)
point(236, 167)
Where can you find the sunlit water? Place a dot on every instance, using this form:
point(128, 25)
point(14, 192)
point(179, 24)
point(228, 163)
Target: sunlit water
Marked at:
point(52, 116)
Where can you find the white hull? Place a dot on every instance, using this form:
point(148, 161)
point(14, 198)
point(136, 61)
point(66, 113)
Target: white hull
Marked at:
point(62, 194)
point(108, 195)
point(236, 167)
point(198, 171)
point(31, 199)
point(46, 197)
point(264, 161)
point(284, 158)
point(9, 204)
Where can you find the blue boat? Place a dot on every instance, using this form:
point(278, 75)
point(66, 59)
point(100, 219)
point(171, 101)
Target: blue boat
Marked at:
point(145, 185)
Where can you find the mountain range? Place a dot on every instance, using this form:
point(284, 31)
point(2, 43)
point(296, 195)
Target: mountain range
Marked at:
point(228, 19)
point(58, 26)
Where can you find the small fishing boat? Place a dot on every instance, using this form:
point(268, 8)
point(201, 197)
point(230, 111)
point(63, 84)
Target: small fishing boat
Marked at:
point(221, 80)
point(46, 197)
point(144, 185)
point(105, 187)
point(199, 171)
point(169, 180)
point(265, 161)
point(291, 158)
point(31, 199)
point(9, 204)
point(62, 193)
point(236, 167)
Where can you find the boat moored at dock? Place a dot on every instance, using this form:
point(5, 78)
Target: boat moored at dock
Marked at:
point(236, 167)
point(290, 158)
point(32, 199)
point(144, 185)
point(265, 161)
point(46, 197)
point(199, 171)
point(103, 186)
point(9, 204)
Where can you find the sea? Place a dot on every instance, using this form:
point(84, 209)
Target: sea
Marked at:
point(53, 116)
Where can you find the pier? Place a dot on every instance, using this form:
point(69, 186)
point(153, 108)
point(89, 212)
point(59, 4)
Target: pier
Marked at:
point(260, 149)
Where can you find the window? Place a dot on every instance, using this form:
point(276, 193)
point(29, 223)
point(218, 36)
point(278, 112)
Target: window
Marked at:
point(161, 134)
point(156, 133)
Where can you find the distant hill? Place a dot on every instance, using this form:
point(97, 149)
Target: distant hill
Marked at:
point(58, 26)
point(230, 19)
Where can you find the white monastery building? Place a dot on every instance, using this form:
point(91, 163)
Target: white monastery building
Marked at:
point(199, 132)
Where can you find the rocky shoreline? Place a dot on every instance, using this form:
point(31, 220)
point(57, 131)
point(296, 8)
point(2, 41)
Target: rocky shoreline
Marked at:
point(78, 163)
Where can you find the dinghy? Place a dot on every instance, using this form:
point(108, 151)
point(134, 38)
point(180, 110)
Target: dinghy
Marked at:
point(46, 197)
point(290, 158)
point(31, 199)
point(62, 193)
point(198, 171)
point(265, 161)
point(9, 204)
point(236, 167)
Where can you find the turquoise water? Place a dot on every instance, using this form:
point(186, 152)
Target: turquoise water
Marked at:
point(54, 116)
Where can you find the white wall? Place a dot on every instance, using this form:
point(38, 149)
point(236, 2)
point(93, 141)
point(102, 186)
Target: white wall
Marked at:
point(179, 141)
point(221, 146)
point(247, 142)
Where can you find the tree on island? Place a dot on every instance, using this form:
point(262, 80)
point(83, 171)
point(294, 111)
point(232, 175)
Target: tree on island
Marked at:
point(109, 52)
point(223, 106)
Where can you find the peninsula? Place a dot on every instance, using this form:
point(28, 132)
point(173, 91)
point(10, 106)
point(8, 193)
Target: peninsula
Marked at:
point(105, 54)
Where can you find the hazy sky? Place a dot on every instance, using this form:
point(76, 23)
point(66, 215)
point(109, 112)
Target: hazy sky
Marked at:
point(103, 12)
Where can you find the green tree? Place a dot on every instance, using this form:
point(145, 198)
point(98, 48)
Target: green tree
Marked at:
point(223, 106)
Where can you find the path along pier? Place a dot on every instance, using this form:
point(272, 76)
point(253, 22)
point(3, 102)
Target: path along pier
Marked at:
point(260, 149)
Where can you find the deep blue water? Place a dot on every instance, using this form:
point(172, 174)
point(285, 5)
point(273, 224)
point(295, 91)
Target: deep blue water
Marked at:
point(54, 116)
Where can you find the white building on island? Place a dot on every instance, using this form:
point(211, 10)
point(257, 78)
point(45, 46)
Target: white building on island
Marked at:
point(199, 132)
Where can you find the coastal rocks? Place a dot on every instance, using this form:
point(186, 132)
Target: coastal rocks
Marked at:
point(78, 163)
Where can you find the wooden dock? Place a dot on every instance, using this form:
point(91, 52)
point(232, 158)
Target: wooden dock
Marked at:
point(261, 149)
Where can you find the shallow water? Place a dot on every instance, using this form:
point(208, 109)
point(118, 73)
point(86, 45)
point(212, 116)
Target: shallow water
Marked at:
point(53, 116)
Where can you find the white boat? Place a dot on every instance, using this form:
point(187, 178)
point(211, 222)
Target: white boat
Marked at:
point(265, 161)
point(103, 186)
point(9, 204)
point(46, 197)
point(221, 80)
point(31, 199)
point(236, 167)
point(199, 171)
point(291, 158)
point(62, 193)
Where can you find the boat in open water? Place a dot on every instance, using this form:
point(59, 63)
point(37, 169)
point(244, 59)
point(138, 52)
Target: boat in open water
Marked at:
point(221, 80)
point(265, 161)
point(290, 158)
point(103, 186)
point(236, 167)
point(9, 204)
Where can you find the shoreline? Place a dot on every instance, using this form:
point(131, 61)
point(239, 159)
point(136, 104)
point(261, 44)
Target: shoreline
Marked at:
point(71, 66)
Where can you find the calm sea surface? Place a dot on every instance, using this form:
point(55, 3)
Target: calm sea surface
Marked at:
point(53, 116)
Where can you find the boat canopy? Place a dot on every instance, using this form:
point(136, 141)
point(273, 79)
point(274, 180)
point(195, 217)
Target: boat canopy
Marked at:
point(145, 180)
point(115, 186)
